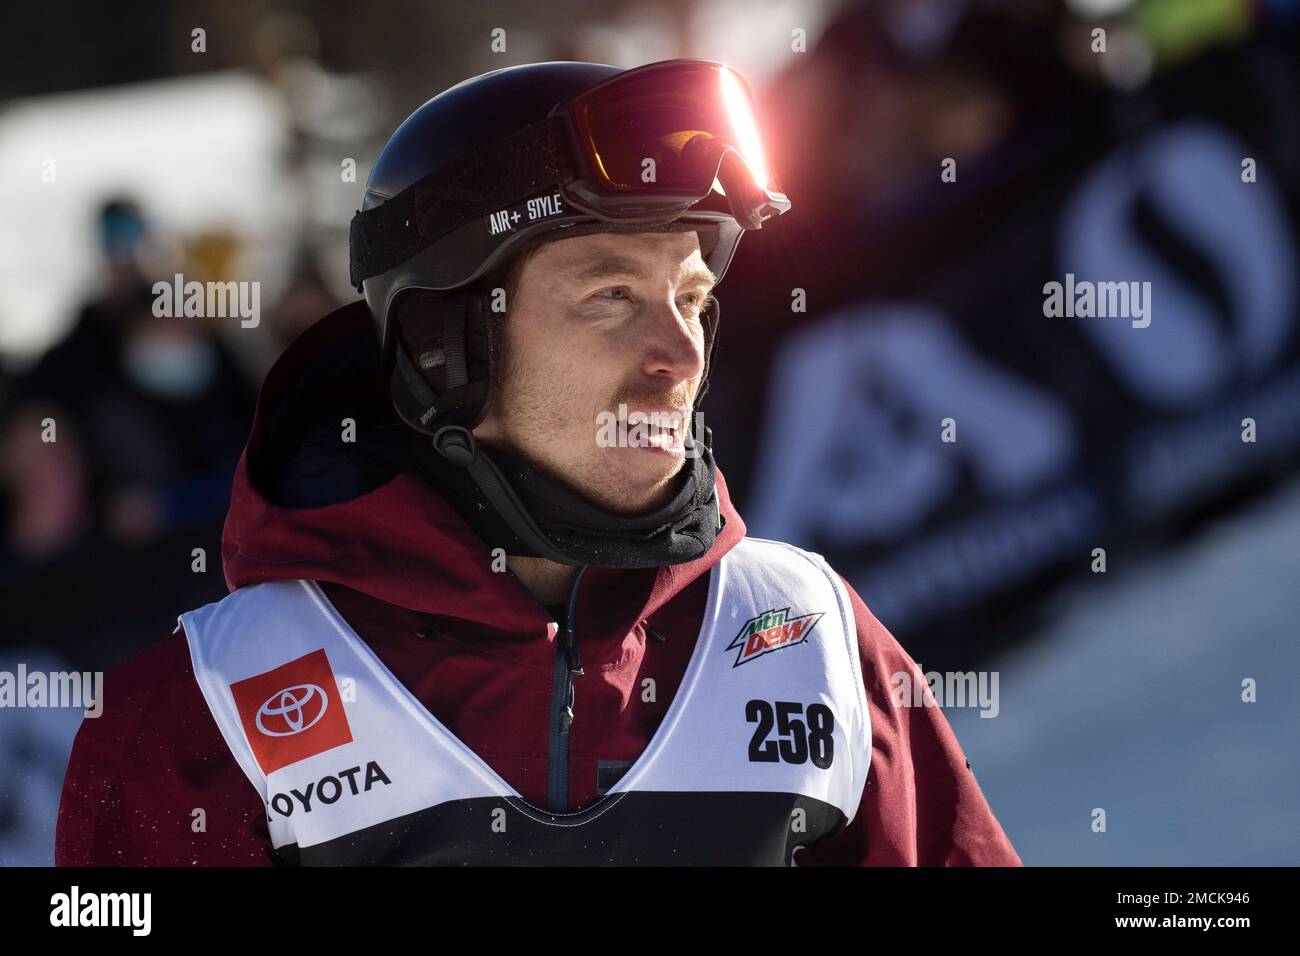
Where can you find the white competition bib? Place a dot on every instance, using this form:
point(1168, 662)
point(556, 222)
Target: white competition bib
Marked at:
point(765, 746)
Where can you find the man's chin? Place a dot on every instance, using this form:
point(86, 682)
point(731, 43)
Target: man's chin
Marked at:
point(625, 481)
point(631, 491)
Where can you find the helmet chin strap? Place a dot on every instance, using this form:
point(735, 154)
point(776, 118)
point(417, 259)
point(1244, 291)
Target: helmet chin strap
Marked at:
point(458, 446)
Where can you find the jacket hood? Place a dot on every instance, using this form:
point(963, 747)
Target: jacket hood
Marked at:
point(311, 500)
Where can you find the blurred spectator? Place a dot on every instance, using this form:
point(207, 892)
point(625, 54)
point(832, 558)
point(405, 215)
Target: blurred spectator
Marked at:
point(148, 416)
point(57, 377)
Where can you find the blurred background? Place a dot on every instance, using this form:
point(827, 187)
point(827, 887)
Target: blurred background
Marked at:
point(888, 297)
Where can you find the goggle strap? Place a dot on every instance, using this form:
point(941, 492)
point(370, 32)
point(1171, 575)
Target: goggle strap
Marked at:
point(499, 174)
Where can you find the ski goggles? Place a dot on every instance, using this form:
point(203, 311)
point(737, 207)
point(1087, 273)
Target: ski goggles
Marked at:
point(675, 142)
point(663, 136)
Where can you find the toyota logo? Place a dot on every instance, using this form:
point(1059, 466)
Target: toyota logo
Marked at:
point(292, 710)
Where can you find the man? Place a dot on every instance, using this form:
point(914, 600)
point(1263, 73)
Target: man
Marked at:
point(478, 614)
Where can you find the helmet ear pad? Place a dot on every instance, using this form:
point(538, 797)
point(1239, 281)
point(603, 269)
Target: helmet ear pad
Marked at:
point(423, 318)
point(442, 358)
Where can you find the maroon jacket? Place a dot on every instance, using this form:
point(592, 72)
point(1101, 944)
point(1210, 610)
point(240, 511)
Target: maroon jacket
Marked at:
point(411, 577)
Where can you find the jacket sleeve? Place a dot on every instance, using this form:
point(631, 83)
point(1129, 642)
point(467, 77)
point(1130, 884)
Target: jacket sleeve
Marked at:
point(921, 805)
point(151, 782)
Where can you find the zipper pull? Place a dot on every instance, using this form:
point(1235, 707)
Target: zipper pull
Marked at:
point(566, 715)
point(570, 651)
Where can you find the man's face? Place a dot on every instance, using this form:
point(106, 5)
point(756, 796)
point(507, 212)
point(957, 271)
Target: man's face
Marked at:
point(598, 321)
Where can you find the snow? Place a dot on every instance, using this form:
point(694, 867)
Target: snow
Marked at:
point(1131, 702)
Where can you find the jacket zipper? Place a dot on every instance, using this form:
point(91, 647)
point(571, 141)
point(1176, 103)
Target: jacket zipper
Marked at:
point(567, 665)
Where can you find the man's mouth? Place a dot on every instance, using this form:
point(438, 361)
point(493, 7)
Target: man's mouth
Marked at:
point(663, 431)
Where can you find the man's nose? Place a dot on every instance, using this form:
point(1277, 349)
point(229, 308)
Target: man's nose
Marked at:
point(675, 346)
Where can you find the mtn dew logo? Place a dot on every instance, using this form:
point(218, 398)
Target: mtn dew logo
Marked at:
point(771, 631)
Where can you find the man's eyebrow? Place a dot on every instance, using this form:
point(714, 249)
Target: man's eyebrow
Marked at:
point(704, 275)
point(614, 266)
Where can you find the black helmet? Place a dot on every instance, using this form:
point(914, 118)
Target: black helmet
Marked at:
point(528, 154)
